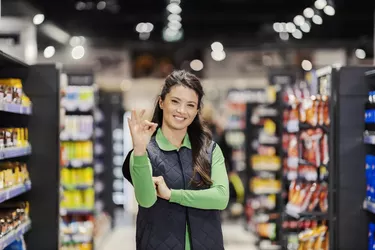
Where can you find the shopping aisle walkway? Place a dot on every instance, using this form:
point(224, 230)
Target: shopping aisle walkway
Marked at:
point(234, 236)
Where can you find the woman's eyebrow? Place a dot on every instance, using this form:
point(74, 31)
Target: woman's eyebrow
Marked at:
point(180, 99)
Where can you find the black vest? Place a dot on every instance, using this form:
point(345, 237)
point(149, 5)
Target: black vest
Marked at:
point(163, 226)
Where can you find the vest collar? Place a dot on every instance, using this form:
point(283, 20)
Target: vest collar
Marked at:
point(165, 145)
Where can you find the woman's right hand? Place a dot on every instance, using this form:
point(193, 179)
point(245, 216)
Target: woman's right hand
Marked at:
point(141, 131)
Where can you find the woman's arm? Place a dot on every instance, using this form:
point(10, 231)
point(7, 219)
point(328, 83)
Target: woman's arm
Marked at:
point(141, 174)
point(216, 197)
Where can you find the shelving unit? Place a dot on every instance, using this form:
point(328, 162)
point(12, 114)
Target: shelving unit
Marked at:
point(77, 163)
point(15, 148)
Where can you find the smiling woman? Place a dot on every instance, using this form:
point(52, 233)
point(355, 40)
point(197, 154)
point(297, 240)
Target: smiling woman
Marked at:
point(177, 171)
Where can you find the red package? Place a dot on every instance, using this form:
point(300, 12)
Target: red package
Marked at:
point(323, 199)
point(311, 146)
point(324, 149)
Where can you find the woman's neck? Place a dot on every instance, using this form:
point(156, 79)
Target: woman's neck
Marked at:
point(175, 137)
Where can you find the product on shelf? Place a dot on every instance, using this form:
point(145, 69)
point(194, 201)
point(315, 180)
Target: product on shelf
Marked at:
point(77, 127)
point(266, 202)
point(77, 152)
point(267, 230)
point(78, 98)
point(12, 215)
point(307, 197)
point(11, 92)
point(77, 177)
point(265, 186)
point(77, 229)
point(12, 174)
point(265, 162)
point(78, 199)
point(13, 137)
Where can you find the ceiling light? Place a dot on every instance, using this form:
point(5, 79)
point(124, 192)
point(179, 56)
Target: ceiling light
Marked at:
point(80, 5)
point(78, 52)
point(297, 34)
point(360, 53)
point(284, 36)
point(49, 52)
point(150, 27)
point(299, 20)
point(217, 46)
point(144, 36)
point(174, 17)
point(329, 10)
point(101, 5)
point(306, 65)
point(320, 4)
point(308, 12)
point(141, 28)
point(174, 25)
point(75, 41)
point(38, 19)
point(170, 35)
point(305, 27)
point(218, 55)
point(196, 65)
point(174, 8)
point(277, 27)
point(175, 1)
point(290, 27)
point(317, 19)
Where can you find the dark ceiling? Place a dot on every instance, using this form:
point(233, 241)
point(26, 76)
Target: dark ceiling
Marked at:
point(234, 21)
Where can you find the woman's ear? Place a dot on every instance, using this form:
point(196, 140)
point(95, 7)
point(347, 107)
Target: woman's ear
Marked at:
point(160, 103)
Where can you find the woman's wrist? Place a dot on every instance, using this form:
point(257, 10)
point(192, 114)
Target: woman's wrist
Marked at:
point(139, 151)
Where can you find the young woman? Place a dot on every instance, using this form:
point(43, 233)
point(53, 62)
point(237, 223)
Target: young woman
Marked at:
point(178, 173)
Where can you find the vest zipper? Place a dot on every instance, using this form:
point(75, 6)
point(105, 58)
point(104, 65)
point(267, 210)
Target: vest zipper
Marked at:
point(187, 210)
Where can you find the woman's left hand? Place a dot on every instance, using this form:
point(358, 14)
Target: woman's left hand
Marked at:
point(161, 187)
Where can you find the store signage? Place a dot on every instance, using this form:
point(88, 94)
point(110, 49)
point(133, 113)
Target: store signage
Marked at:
point(281, 79)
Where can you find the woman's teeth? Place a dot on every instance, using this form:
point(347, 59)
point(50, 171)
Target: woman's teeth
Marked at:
point(179, 118)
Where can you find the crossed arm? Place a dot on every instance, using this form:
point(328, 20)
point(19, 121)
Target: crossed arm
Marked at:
point(215, 197)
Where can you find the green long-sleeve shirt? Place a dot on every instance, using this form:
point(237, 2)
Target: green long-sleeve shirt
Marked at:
point(216, 197)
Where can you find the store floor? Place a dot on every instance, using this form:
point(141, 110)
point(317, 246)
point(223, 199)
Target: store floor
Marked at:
point(235, 237)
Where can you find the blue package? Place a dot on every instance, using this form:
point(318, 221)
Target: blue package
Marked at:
point(368, 177)
point(371, 229)
point(17, 245)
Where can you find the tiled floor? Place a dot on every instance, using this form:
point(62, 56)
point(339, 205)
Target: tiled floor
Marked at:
point(235, 237)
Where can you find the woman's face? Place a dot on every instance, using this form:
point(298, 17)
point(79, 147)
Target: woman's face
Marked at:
point(180, 107)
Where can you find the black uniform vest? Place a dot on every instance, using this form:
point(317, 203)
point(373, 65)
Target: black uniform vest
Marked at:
point(163, 226)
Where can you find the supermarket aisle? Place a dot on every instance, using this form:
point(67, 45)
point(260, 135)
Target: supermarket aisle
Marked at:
point(234, 235)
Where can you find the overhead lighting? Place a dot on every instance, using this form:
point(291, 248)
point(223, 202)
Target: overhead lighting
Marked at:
point(299, 20)
point(284, 36)
point(305, 27)
point(306, 65)
point(360, 53)
point(297, 34)
point(196, 65)
point(49, 52)
point(174, 8)
point(290, 27)
point(320, 4)
point(75, 41)
point(174, 25)
point(141, 27)
point(308, 12)
point(54, 32)
point(277, 27)
point(101, 5)
point(38, 19)
point(174, 17)
point(78, 52)
point(80, 5)
point(170, 35)
point(218, 55)
point(318, 20)
point(175, 1)
point(329, 10)
point(217, 46)
point(150, 27)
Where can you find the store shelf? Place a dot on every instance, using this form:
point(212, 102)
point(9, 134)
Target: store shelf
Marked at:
point(369, 206)
point(77, 187)
point(15, 108)
point(9, 61)
point(369, 139)
point(15, 234)
point(14, 152)
point(76, 211)
point(14, 191)
point(77, 238)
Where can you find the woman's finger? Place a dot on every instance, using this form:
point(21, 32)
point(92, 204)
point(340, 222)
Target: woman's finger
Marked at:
point(141, 114)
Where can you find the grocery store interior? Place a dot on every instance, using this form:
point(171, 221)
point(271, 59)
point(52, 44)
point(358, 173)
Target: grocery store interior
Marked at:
point(289, 98)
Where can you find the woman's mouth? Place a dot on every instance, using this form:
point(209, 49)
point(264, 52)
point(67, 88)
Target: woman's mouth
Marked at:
point(179, 118)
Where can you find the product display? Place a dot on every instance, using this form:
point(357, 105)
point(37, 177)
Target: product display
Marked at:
point(77, 177)
point(78, 98)
point(77, 153)
point(77, 127)
point(77, 230)
point(12, 97)
point(12, 174)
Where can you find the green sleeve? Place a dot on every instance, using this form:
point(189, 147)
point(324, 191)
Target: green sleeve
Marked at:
point(216, 197)
point(141, 173)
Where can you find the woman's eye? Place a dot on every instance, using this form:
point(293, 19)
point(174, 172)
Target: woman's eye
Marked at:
point(174, 101)
point(191, 105)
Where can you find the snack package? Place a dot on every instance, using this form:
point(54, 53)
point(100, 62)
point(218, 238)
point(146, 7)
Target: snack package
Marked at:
point(323, 199)
point(310, 141)
point(324, 150)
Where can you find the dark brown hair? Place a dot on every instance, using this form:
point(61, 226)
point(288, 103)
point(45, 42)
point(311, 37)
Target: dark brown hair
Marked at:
point(199, 134)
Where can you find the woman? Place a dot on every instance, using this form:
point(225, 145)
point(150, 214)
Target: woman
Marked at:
point(178, 173)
